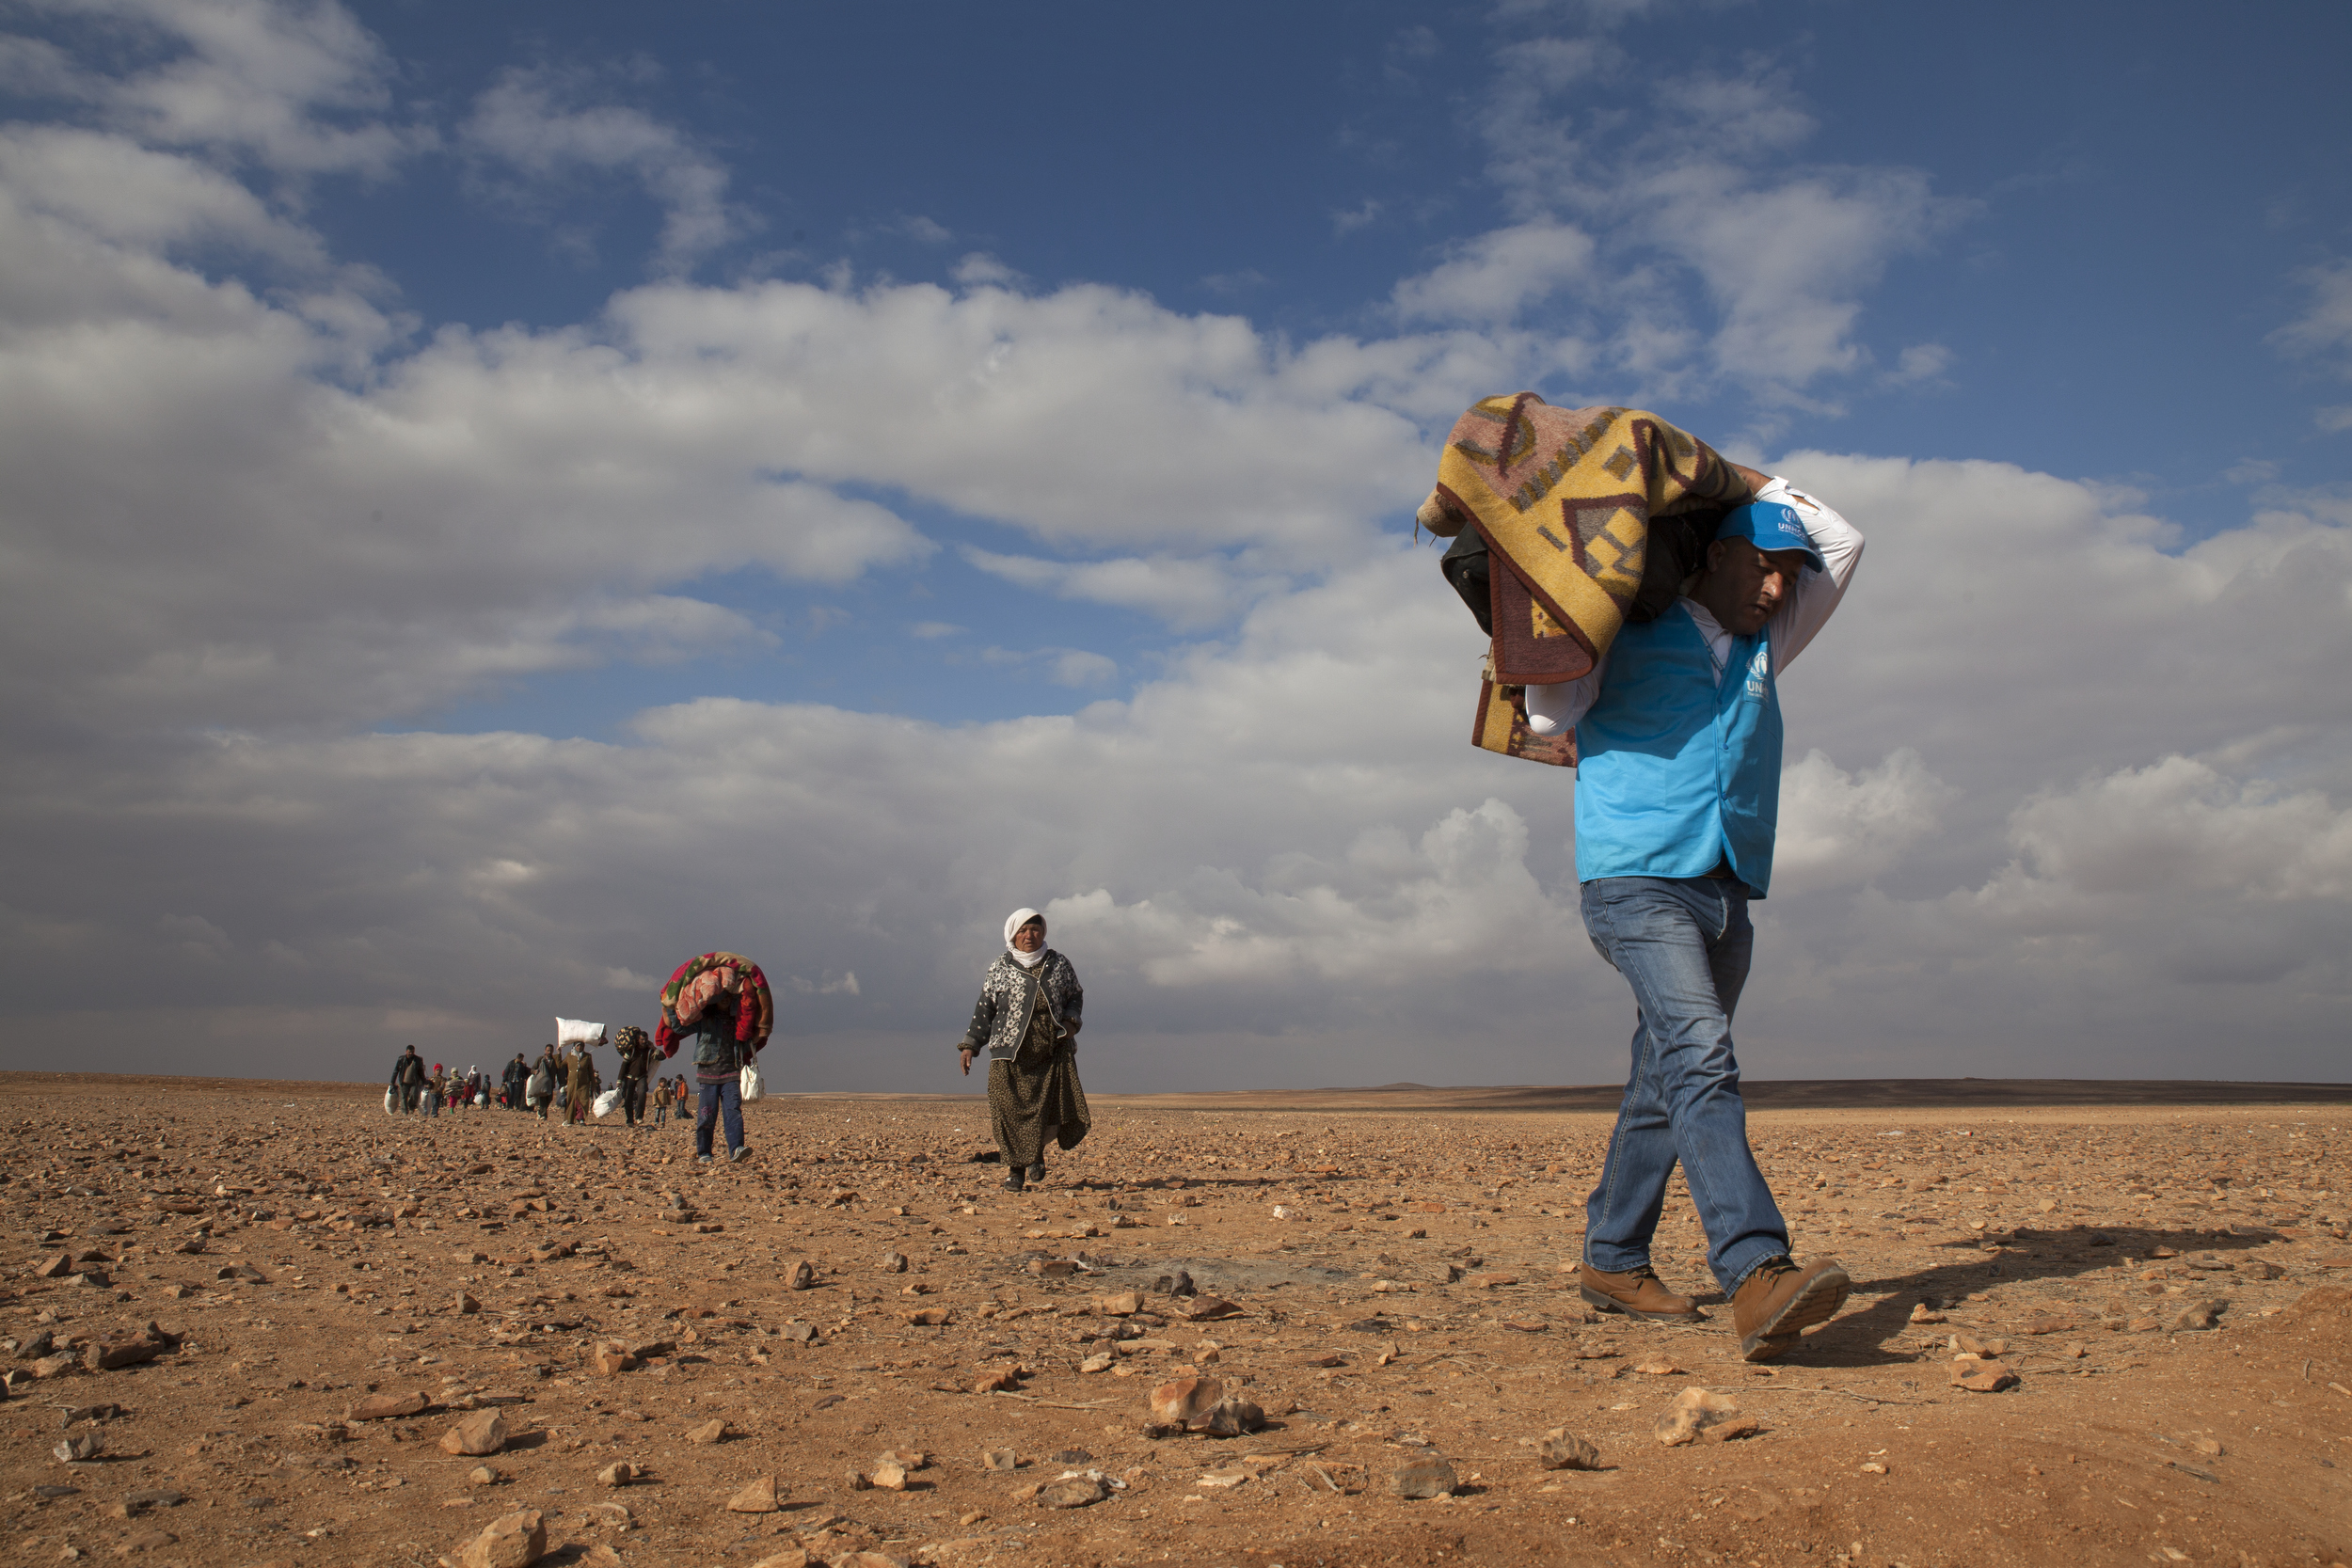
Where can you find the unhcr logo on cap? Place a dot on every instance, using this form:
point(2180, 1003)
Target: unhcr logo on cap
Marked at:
point(1772, 526)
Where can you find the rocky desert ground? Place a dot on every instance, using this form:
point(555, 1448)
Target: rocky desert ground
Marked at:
point(251, 1323)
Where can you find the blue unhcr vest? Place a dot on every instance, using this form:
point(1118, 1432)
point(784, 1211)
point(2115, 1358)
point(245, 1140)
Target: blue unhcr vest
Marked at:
point(1677, 769)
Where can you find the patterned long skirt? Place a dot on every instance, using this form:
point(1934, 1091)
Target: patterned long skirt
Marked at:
point(1024, 1101)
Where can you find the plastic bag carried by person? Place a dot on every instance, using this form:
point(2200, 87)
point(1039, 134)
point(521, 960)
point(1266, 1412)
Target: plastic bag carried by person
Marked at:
point(604, 1102)
point(751, 1085)
point(481, 1097)
point(391, 1102)
point(578, 1031)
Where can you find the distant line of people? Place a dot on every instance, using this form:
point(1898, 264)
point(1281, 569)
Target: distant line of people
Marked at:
point(565, 1078)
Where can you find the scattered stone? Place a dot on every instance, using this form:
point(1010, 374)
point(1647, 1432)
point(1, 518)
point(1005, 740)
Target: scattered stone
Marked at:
point(1559, 1450)
point(53, 1268)
point(619, 1473)
point(145, 1541)
point(97, 1358)
point(1424, 1478)
point(2199, 1317)
point(1184, 1400)
point(894, 1263)
point(929, 1317)
point(791, 1556)
point(387, 1407)
point(484, 1475)
point(1693, 1412)
point(1122, 1304)
point(709, 1432)
point(74, 1451)
point(515, 1541)
point(799, 1333)
point(1981, 1376)
point(1232, 1417)
point(2047, 1323)
point(1101, 1361)
point(889, 1476)
point(2260, 1268)
point(482, 1432)
point(1073, 1492)
point(611, 1359)
point(1657, 1366)
point(758, 1496)
point(802, 1275)
point(998, 1459)
point(244, 1272)
point(464, 1305)
point(611, 1516)
point(1205, 1309)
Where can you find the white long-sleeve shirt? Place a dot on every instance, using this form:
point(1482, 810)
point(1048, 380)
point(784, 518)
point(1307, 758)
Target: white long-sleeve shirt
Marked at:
point(1801, 616)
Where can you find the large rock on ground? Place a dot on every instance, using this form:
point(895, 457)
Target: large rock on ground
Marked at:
point(386, 1407)
point(1693, 1412)
point(1561, 1450)
point(759, 1496)
point(482, 1432)
point(1424, 1478)
point(517, 1541)
point(1186, 1400)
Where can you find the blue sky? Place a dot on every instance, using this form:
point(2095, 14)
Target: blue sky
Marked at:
point(2120, 215)
point(505, 498)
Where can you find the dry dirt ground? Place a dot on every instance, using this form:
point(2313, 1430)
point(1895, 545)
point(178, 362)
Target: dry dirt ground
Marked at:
point(1397, 1276)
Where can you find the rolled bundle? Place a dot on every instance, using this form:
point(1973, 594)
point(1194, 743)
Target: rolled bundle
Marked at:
point(1568, 522)
point(697, 984)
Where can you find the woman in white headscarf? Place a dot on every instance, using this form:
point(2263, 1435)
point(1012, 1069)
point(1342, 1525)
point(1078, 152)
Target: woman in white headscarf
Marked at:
point(1026, 1020)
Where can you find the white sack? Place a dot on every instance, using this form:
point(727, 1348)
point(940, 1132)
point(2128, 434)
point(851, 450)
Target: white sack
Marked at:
point(578, 1031)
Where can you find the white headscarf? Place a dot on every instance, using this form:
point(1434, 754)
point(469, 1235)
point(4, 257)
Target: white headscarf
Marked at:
point(1014, 923)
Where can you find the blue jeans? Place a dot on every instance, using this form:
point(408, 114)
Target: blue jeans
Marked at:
point(1683, 945)
point(725, 1096)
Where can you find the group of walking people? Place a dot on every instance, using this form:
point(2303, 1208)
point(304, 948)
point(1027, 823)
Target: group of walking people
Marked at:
point(419, 1090)
point(1675, 731)
point(565, 1079)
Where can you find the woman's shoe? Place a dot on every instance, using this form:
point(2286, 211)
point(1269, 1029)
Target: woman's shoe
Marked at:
point(1012, 1179)
point(1036, 1173)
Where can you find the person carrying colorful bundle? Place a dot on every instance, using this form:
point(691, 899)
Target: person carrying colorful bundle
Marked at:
point(719, 1001)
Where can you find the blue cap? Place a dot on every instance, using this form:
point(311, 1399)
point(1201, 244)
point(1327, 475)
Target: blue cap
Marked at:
point(1772, 526)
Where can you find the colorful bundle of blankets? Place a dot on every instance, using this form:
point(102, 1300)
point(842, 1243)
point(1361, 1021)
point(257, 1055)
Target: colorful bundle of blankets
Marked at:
point(1572, 503)
point(697, 983)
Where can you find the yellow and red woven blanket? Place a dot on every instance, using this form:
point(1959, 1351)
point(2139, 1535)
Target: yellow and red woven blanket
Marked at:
point(1565, 498)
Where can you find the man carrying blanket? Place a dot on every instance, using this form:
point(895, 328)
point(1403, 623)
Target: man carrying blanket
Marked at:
point(1677, 739)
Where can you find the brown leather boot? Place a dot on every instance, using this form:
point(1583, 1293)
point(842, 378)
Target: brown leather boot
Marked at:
point(1638, 1293)
point(1780, 1301)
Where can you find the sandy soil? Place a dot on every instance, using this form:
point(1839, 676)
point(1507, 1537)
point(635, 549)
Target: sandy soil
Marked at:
point(1408, 1303)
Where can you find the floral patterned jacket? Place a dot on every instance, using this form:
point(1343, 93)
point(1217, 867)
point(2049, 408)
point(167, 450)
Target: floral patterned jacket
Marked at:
point(1002, 1014)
